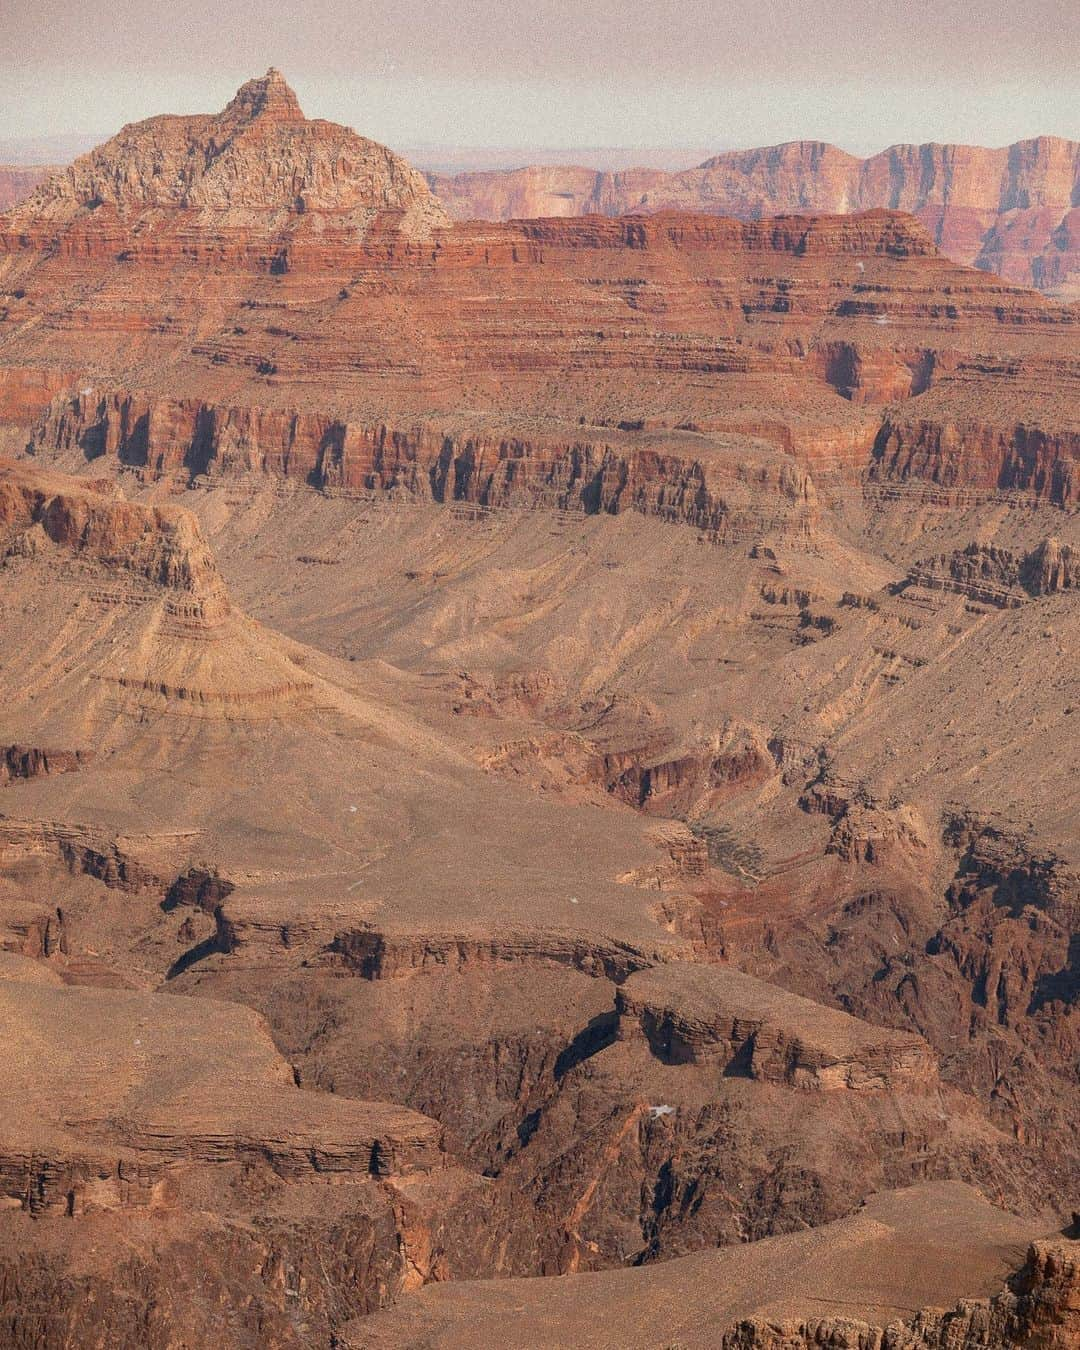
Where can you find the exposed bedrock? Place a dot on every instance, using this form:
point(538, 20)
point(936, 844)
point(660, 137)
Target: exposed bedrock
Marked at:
point(931, 1267)
point(33, 761)
point(998, 576)
point(82, 850)
point(987, 973)
point(280, 1281)
point(154, 1114)
point(210, 1169)
point(645, 779)
point(969, 454)
point(877, 375)
point(259, 154)
point(1039, 1309)
point(528, 887)
point(680, 477)
point(717, 1015)
point(686, 1107)
point(590, 474)
point(163, 545)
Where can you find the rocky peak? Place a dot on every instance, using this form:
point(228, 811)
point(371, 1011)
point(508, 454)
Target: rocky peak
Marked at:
point(268, 98)
point(257, 163)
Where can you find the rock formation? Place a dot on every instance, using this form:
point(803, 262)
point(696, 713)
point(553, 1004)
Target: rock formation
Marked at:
point(259, 153)
point(529, 749)
point(1012, 211)
point(926, 1239)
point(721, 1016)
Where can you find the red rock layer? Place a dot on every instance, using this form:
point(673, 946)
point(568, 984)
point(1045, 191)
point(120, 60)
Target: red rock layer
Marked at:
point(278, 305)
point(973, 454)
point(1012, 210)
point(493, 469)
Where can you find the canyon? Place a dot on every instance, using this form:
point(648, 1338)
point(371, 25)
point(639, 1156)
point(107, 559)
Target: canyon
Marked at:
point(531, 748)
point(1014, 210)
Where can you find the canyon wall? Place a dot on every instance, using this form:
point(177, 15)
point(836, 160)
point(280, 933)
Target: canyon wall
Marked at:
point(1014, 210)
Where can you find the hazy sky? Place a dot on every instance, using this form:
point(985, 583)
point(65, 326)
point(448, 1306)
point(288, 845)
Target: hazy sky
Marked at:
point(862, 73)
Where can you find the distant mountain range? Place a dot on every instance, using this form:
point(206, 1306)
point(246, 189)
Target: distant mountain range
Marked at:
point(1014, 210)
point(17, 181)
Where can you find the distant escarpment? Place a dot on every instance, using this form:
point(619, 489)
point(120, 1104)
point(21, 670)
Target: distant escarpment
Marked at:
point(1013, 210)
point(17, 182)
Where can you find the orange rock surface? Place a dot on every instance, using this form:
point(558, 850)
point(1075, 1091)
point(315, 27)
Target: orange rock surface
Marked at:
point(322, 319)
point(538, 748)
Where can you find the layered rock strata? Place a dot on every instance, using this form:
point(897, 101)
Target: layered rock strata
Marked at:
point(720, 1016)
point(1011, 210)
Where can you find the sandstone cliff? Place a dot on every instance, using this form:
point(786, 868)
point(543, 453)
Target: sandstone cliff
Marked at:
point(1011, 210)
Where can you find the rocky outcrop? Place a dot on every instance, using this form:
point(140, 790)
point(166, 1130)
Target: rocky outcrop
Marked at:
point(153, 1277)
point(720, 1016)
point(250, 932)
point(259, 154)
point(688, 366)
point(1051, 567)
point(81, 850)
point(999, 577)
point(668, 1157)
point(31, 761)
point(161, 544)
point(671, 783)
point(1040, 1310)
point(1011, 933)
point(73, 1107)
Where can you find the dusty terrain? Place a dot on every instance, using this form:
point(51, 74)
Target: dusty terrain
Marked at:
point(529, 749)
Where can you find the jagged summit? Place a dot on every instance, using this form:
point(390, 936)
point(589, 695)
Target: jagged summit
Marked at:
point(259, 157)
point(269, 96)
